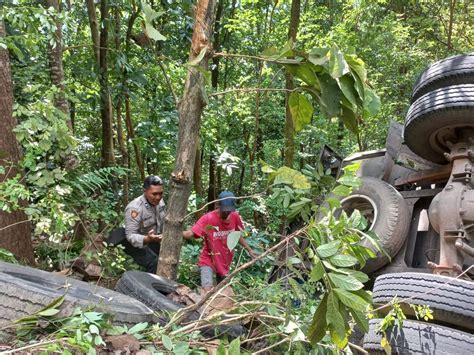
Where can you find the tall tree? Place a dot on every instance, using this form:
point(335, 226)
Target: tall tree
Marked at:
point(190, 111)
point(15, 231)
point(55, 56)
point(289, 126)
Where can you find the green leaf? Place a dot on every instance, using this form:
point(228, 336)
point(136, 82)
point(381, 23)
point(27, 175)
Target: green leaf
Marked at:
point(233, 239)
point(93, 329)
point(317, 271)
point(198, 58)
point(137, 328)
point(153, 33)
point(342, 190)
point(49, 312)
point(359, 275)
point(301, 110)
point(221, 349)
point(334, 317)
point(306, 73)
point(351, 300)
point(337, 64)
point(333, 202)
point(361, 320)
point(319, 56)
point(167, 342)
point(346, 282)
point(317, 329)
point(331, 96)
point(181, 348)
point(343, 260)
point(371, 103)
point(288, 176)
point(329, 249)
point(349, 180)
point(346, 83)
point(234, 347)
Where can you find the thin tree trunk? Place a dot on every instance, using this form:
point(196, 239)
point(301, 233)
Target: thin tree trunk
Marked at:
point(131, 136)
point(108, 158)
point(211, 192)
point(190, 111)
point(452, 6)
point(55, 56)
point(15, 231)
point(289, 127)
point(94, 28)
point(197, 180)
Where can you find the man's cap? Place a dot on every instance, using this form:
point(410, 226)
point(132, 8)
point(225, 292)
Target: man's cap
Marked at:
point(226, 201)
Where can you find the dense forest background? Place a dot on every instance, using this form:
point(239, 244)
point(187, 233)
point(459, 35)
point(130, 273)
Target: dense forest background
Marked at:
point(91, 91)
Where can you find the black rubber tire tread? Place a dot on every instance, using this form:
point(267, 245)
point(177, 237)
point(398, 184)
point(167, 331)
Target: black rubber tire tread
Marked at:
point(392, 223)
point(125, 310)
point(442, 108)
point(19, 298)
point(420, 338)
point(452, 303)
point(454, 70)
point(145, 287)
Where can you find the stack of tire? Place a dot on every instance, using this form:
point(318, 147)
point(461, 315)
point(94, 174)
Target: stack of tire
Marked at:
point(441, 112)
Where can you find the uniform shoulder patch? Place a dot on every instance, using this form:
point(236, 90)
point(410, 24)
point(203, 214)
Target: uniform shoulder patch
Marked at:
point(134, 214)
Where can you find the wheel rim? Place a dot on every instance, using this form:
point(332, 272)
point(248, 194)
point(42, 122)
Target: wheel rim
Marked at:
point(364, 204)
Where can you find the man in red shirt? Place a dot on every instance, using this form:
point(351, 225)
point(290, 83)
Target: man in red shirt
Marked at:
point(214, 227)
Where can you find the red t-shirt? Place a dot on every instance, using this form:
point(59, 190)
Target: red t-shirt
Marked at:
point(210, 226)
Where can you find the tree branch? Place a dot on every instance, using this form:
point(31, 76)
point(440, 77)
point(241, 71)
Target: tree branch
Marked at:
point(250, 90)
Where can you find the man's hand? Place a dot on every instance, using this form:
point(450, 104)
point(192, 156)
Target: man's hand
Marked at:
point(151, 237)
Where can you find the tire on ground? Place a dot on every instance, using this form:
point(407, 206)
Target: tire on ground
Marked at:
point(450, 299)
point(447, 72)
point(125, 310)
point(438, 117)
point(388, 215)
point(419, 338)
point(151, 289)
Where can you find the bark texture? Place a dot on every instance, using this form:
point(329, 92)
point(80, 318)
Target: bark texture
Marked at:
point(55, 57)
point(15, 232)
point(289, 127)
point(190, 110)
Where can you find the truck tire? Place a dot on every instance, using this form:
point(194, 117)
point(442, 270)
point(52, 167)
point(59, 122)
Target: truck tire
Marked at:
point(419, 338)
point(125, 310)
point(388, 216)
point(437, 118)
point(450, 299)
point(447, 72)
point(151, 290)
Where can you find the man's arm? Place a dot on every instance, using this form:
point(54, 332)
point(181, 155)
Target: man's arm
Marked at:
point(132, 230)
point(247, 247)
point(188, 234)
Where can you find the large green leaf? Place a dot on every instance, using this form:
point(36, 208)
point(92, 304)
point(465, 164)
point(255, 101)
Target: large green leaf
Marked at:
point(153, 33)
point(337, 64)
point(288, 176)
point(334, 317)
point(233, 239)
point(343, 260)
point(346, 84)
point(317, 271)
point(341, 190)
point(306, 73)
point(346, 282)
point(317, 329)
point(331, 96)
point(371, 103)
point(361, 320)
point(329, 249)
point(319, 56)
point(301, 110)
point(351, 300)
point(234, 347)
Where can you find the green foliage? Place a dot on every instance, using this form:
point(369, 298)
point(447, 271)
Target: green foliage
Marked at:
point(7, 256)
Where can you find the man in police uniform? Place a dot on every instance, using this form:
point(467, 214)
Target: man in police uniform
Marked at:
point(144, 218)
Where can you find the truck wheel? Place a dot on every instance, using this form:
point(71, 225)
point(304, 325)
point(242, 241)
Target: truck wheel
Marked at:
point(447, 72)
point(125, 310)
point(419, 338)
point(437, 118)
point(388, 216)
point(450, 299)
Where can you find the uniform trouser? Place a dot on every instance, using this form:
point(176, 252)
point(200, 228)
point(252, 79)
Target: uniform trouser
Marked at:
point(146, 257)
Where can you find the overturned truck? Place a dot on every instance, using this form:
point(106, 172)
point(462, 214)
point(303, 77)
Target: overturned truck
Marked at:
point(418, 195)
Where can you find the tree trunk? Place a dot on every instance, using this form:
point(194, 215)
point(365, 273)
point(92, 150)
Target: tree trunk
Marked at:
point(15, 232)
point(94, 28)
point(131, 136)
point(190, 110)
point(289, 127)
point(211, 192)
point(108, 158)
point(197, 179)
point(55, 56)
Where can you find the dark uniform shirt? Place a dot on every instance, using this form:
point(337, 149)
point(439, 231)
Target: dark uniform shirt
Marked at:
point(140, 218)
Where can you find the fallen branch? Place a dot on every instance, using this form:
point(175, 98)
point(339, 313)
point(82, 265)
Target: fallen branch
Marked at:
point(184, 312)
point(219, 93)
